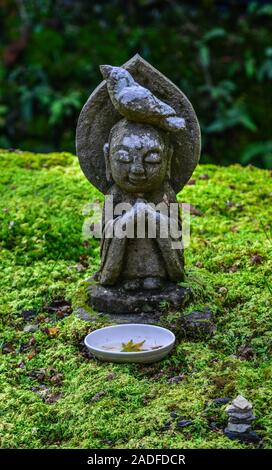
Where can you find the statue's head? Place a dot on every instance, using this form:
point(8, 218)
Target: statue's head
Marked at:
point(159, 131)
point(138, 156)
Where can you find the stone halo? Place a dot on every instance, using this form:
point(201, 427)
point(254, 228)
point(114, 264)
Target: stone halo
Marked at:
point(98, 116)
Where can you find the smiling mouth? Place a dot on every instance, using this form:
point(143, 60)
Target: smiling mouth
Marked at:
point(137, 180)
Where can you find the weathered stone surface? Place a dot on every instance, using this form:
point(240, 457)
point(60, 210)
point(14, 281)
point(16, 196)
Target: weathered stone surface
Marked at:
point(152, 318)
point(232, 410)
point(30, 328)
point(238, 427)
point(148, 318)
point(237, 419)
point(242, 403)
point(86, 315)
point(117, 300)
point(138, 157)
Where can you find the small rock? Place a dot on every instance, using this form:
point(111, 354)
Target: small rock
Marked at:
point(229, 203)
point(28, 314)
point(168, 424)
point(174, 415)
point(176, 379)
point(61, 307)
point(204, 177)
point(85, 314)
point(183, 423)
point(80, 267)
point(236, 427)
point(42, 391)
point(7, 348)
point(191, 182)
point(246, 437)
point(111, 376)
point(245, 353)
point(234, 268)
point(53, 397)
point(57, 378)
point(98, 395)
point(221, 401)
point(256, 259)
point(165, 427)
point(29, 345)
point(20, 364)
point(242, 403)
point(222, 290)
point(199, 264)
point(239, 415)
point(38, 374)
point(237, 420)
point(30, 328)
point(239, 423)
point(198, 324)
point(108, 442)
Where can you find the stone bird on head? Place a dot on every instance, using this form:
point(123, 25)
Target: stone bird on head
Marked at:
point(137, 103)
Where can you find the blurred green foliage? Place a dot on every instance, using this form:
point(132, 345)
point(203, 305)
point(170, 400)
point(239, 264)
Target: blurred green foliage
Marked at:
point(218, 53)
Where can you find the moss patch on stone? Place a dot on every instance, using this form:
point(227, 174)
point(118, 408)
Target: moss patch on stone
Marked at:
point(52, 394)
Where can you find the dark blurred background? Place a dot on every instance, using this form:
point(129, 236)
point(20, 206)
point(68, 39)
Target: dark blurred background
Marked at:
point(218, 52)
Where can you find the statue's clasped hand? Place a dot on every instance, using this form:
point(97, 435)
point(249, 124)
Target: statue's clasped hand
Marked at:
point(139, 211)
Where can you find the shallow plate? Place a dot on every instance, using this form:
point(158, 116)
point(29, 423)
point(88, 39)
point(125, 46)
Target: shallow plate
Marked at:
point(106, 343)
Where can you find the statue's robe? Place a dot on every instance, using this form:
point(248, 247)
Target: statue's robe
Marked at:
point(133, 258)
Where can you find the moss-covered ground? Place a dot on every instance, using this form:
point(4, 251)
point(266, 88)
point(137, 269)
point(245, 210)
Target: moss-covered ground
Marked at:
point(52, 394)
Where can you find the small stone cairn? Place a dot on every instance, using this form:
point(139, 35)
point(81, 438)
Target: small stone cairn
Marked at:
point(240, 418)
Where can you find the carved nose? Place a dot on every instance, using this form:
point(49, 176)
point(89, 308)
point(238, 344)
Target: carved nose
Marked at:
point(137, 169)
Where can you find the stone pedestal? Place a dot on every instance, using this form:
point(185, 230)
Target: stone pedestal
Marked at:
point(116, 300)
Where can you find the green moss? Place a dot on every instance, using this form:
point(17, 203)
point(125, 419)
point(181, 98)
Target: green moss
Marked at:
point(94, 404)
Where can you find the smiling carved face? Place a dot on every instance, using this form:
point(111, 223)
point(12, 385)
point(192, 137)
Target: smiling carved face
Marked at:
point(137, 156)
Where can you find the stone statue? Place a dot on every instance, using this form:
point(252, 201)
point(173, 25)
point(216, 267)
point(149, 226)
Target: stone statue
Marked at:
point(138, 141)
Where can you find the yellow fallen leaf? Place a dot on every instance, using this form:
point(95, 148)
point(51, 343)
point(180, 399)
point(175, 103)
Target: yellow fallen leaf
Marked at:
point(31, 354)
point(130, 346)
point(53, 331)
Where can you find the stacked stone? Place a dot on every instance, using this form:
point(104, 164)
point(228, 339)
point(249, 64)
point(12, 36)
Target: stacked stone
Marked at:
point(240, 419)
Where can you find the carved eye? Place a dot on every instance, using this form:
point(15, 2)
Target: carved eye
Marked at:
point(153, 157)
point(124, 157)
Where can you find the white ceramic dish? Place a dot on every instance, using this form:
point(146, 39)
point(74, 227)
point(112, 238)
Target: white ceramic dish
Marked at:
point(106, 343)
